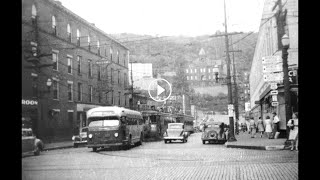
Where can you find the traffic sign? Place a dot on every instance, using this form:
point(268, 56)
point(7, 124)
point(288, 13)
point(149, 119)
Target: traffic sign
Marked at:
point(230, 106)
point(273, 77)
point(274, 98)
point(275, 103)
point(269, 68)
point(271, 59)
point(230, 112)
point(274, 92)
point(273, 86)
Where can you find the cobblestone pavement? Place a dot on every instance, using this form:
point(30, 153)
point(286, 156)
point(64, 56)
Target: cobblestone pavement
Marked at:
point(157, 160)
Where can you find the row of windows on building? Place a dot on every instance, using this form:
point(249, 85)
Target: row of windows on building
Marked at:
point(203, 70)
point(202, 77)
point(78, 37)
point(79, 69)
point(80, 93)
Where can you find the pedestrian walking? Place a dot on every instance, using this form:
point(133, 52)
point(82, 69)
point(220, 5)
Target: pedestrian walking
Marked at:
point(293, 136)
point(275, 122)
point(260, 127)
point(268, 128)
point(252, 127)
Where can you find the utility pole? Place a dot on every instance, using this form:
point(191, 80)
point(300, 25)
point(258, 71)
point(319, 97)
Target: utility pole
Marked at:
point(231, 122)
point(230, 101)
point(236, 105)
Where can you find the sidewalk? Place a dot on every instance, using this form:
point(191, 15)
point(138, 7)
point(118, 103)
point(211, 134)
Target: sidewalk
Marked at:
point(245, 141)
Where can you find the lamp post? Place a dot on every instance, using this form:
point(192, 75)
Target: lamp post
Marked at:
point(285, 45)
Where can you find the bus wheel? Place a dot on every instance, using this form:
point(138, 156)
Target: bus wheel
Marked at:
point(94, 149)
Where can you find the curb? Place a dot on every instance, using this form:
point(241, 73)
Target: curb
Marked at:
point(59, 147)
point(268, 148)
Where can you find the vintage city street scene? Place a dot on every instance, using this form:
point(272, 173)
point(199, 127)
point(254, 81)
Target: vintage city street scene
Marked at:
point(160, 89)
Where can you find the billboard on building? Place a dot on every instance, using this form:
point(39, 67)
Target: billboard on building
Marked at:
point(247, 106)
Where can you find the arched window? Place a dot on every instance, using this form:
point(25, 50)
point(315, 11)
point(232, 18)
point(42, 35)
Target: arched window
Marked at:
point(118, 57)
point(34, 11)
point(69, 32)
point(111, 54)
point(78, 37)
point(54, 27)
point(98, 46)
point(33, 15)
point(89, 42)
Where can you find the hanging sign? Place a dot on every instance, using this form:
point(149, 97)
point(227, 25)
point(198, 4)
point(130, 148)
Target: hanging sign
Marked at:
point(274, 98)
point(275, 103)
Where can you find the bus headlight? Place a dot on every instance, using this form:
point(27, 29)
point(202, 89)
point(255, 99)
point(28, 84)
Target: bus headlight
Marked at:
point(90, 136)
point(116, 134)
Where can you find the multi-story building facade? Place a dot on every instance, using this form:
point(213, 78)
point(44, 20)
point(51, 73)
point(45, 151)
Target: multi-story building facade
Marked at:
point(86, 68)
point(269, 44)
point(205, 75)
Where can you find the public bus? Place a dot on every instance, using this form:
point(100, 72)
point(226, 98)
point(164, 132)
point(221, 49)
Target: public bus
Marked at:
point(187, 120)
point(114, 126)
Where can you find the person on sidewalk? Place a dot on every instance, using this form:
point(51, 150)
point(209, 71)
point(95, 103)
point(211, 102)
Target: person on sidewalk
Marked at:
point(252, 127)
point(275, 122)
point(268, 127)
point(260, 127)
point(293, 136)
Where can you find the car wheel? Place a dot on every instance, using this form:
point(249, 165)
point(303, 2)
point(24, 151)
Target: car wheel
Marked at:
point(169, 141)
point(37, 151)
point(184, 140)
point(94, 149)
point(75, 145)
point(203, 142)
point(165, 141)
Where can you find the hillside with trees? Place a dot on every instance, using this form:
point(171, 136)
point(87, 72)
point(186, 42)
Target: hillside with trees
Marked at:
point(175, 53)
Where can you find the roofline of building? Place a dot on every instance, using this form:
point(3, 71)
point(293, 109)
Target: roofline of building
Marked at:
point(55, 3)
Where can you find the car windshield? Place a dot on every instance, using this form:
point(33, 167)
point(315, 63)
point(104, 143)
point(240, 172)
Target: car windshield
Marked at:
point(103, 123)
point(26, 133)
point(175, 126)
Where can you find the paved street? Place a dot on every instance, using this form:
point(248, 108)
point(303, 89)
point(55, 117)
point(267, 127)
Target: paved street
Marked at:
point(156, 160)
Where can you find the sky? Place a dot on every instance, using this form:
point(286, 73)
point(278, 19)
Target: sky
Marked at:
point(168, 17)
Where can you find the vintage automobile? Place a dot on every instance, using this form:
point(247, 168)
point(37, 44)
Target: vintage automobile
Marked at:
point(214, 132)
point(175, 131)
point(30, 144)
point(80, 139)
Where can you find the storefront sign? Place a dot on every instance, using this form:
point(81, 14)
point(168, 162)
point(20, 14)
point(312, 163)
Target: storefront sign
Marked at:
point(270, 68)
point(275, 103)
point(29, 102)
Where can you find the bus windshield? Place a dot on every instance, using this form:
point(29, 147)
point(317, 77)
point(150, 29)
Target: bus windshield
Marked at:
point(103, 121)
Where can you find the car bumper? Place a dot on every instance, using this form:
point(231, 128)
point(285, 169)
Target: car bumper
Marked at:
point(105, 145)
point(173, 138)
point(79, 142)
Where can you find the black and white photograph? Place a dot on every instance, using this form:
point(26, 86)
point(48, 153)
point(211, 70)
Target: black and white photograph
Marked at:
point(159, 89)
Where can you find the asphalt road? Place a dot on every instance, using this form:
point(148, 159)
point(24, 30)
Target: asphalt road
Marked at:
point(157, 160)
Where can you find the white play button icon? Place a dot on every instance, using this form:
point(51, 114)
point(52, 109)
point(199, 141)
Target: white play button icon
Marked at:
point(160, 89)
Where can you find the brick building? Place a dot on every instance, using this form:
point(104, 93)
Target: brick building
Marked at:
point(269, 44)
point(86, 68)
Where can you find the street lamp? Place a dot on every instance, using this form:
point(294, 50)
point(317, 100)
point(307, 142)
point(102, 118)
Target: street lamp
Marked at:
point(49, 83)
point(285, 46)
